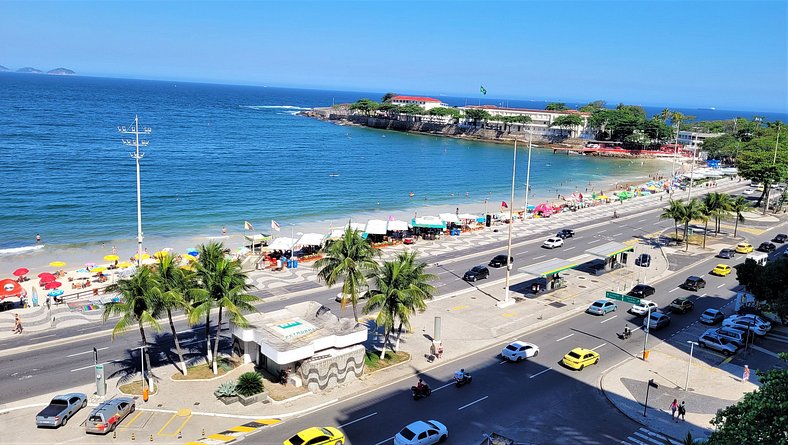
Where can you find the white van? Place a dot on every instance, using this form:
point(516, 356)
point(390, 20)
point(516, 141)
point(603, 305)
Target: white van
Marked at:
point(758, 257)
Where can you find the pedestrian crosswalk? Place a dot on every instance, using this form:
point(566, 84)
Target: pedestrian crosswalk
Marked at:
point(645, 436)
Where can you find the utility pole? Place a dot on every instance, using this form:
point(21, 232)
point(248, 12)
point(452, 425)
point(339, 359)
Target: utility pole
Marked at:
point(137, 143)
point(645, 339)
point(506, 301)
point(774, 162)
point(689, 365)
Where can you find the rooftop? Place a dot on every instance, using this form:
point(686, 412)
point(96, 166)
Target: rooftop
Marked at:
point(494, 107)
point(415, 98)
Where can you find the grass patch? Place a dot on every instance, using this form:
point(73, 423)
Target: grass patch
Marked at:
point(204, 371)
point(135, 388)
point(373, 362)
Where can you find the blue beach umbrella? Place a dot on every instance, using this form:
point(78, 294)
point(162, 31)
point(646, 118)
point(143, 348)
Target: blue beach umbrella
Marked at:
point(56, 293)
point(192, 251)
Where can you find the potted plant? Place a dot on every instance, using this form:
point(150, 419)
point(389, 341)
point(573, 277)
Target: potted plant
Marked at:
point(227, 393)
point(249, 387)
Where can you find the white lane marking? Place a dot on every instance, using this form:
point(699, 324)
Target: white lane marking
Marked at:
point(601, 231)
point(358, 420)
point(540, 256)
point(703, 275)
point(723, 284)
point(91, 366)
point(617, 234)
point(608, 319)
point(570, 248)
point(594, 241)
point(87, 352)
point(45, 336)
point(502, 362)
point(385, 441)
point(86, 329)
point(472, 403)
point(594, 349)
point(444, 386)
point(539, 373)
point(565, 337)
point(641, 220)
point(674, 290)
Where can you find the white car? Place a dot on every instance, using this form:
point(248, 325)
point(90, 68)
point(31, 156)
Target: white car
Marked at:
point(643, 308)
point(749, 191)
point(422, 432)
point(744, 325)
point(519, 350)
point(753, 319)
point(552, 243)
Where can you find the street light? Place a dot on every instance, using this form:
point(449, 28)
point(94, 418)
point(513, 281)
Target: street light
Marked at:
point(136, 143)
point(689, 365)
point(506, 301)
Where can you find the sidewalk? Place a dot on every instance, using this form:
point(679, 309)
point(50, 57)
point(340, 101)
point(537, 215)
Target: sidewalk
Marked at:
point(710, 389)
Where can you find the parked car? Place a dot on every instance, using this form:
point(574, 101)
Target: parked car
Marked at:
point(317, 436)
point(579, 358)
point(500, 261)
point(476, 273)
point(736, 336)
point(749, 191)
point(718, 343)
point(643, 308)
point(766, 247)
point(711, 316)
point(694, 283)
point(744, 325)
point(641, 291)
point(727, 253)
point(552, 243)
point(721, 270)
point(681, 305)
point(743, 248)
point(565, 233)
point(601, 307)
point(657, 320)
point(753, 318)
point(422, 432)
point(780, 238)
point(519, 350)
point(643, 260)
point(106, 417)
point(60, 409)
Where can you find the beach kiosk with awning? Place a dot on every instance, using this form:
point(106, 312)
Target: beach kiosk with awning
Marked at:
point(376, 229)
point(427, 226)
point(550, 270)
point(612, 254)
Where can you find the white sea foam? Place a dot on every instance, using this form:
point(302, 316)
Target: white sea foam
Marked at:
point(19, 250)
point(276, 107)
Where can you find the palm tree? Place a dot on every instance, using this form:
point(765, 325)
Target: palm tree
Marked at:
point(693, 210)
point(209, 256)
point(401, 287)
point(174, 284)
point(738, 207)
point(137, 305)
point(723, 210)
point(228, 288)
point(709, 208)
point(674, 211)
point(350, 259)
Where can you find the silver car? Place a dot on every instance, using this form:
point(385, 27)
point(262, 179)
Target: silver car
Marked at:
point(106, 417)
point(718, 343)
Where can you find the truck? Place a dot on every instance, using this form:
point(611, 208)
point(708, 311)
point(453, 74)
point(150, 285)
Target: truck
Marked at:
point(758, 257)
point(60, 409)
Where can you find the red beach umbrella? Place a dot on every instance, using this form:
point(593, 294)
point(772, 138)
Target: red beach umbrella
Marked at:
point(10, 288)
point(52, 285)
point(21, 271)
point(45, 275)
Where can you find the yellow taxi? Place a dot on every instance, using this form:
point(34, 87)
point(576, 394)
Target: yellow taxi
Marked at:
point(743, 248)
point(721, 270)
point(579, 358)
point(317, 436)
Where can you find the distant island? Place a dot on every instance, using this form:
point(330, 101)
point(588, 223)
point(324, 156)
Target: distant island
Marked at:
point(30, 70)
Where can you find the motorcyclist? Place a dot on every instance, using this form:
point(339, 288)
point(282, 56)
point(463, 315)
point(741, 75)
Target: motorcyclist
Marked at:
point(615, 214)
point(421, 386)
point(459, 375)
point(627, 331)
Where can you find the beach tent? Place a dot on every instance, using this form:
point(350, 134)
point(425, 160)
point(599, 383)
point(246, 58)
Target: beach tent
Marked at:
point(467, 216)
point(311, 239)
point(377, 227)
point(449, 218)
point(428, 222)
point(397, 226)
point(282, 243)
point(335, 234)
point(357, 226)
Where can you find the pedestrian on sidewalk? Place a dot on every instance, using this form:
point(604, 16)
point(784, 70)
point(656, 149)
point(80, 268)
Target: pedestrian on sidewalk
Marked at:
point(673, 408)
point(746, 376)
point(17, 324)
point(682, 412)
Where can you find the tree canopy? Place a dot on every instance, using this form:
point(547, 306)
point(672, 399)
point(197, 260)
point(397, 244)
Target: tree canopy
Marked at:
point(477, 115)
point(570, 120)
point(556, 106)
point(387, 97)
point(593, 106)
point(412, 109)
point(443, 111)
point(768, 284)
point(366, 106)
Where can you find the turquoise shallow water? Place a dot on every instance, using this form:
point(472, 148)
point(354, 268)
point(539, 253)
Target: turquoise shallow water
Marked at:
point(219, 155)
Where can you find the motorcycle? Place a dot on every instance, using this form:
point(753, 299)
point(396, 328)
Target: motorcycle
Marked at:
point(461, 381)
point(625, 335)
point(420, 393)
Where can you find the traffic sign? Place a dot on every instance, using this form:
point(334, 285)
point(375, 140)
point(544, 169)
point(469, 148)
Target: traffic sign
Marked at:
point(621, 297)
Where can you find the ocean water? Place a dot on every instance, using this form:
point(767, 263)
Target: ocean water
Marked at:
point(220, 155)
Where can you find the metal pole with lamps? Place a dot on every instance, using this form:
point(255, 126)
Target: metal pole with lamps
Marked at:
point(506, 301)
point(527, 177)
point(774, 162)
point(689, 365)
point(136, 143)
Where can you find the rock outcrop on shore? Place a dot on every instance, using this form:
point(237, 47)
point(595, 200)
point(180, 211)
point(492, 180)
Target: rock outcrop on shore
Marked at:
point(30, 70)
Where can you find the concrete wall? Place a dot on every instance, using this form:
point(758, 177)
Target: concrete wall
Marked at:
point(328, 371)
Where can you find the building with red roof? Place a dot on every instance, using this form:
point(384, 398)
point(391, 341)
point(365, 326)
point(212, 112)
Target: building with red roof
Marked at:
point(422, 101)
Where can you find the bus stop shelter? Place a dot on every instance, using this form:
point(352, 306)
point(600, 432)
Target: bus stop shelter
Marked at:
point(550, 270)
point(612, 254)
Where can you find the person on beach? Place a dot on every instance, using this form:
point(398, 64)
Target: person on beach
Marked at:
point(224, 230)
point(38, 238)
point(673, 408)
point(17, 324)
point(114, 250)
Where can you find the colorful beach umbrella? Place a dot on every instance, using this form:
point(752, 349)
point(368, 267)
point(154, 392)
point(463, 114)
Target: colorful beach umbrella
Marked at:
point(52, 285)
point(193, 252)
point(46, 277)
point(21, 271)
point(189, 258)
point(98, 269)
point(57, 264)
point(124, 265)
point(161, 254)
point(111, 258)
point(10, 288)
point(145, 256)
point(56, 293)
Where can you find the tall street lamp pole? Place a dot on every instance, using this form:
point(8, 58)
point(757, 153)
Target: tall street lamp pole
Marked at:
point(645, 339)
point(689, 365)
point(506, 301)
point(137, 143)
point(774, 162)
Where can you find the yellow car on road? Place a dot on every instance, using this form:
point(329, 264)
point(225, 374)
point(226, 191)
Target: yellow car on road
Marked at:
point(721, 270)
point(317, 436)
point(579, 358)
point(743, 248)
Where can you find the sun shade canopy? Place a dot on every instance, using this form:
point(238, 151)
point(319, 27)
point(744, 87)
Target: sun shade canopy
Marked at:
point(609, 249)
point(548, 267)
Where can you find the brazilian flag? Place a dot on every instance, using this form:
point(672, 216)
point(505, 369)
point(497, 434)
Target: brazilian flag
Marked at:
point(482, 90)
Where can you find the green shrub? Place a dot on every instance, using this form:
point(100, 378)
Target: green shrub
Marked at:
point(249, 384)
point(370, 358)
point(226, 389)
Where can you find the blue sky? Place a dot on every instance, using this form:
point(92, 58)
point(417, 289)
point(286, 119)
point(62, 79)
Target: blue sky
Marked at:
point(729, 55)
